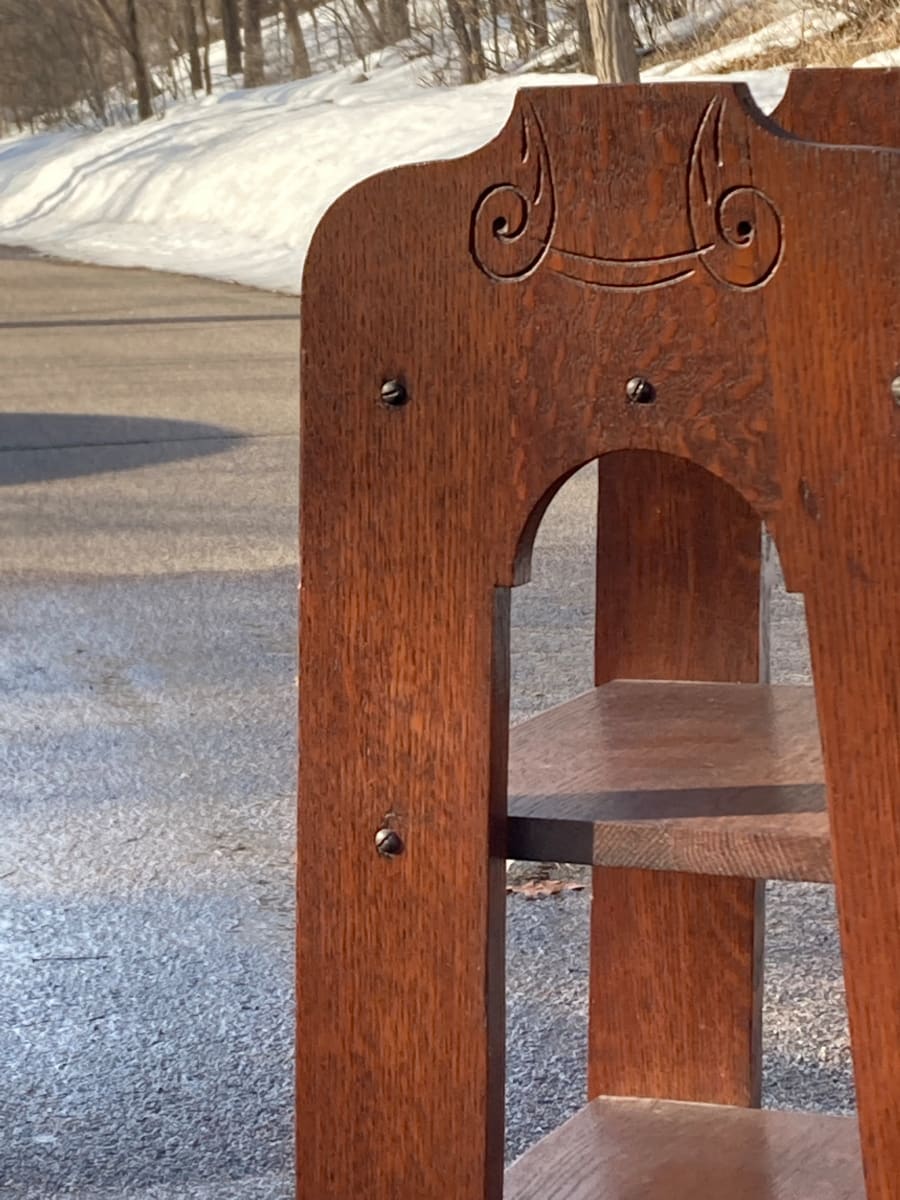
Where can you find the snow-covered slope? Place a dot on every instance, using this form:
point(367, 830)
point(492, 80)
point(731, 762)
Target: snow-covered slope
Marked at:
point(232, 185)
point(787, 32)
point(881, 58)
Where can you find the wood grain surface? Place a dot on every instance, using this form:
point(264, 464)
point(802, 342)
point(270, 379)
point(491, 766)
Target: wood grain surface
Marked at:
point(678, 597)
point(844, 105)
point(718, 779)
point(694, 1021)
point(607, 234)
point(844, 553)
point(653, 1150)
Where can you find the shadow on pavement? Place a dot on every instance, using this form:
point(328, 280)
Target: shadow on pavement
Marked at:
point(14, 253)
point(37, 447)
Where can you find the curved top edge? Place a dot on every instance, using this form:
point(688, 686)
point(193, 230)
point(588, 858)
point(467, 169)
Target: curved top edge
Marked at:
point(526, 97)
point(737, 89)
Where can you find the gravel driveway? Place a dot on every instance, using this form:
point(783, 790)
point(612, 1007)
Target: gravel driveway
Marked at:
point(147, 700)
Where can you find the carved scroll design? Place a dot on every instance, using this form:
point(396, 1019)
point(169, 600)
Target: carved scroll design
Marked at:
point(513, 223)
point(736, 229)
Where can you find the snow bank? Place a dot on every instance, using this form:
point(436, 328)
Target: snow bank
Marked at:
point(232, 186)
point(881, 58)
point(786, 33)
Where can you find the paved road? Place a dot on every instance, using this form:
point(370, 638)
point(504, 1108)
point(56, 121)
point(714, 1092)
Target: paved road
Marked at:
point(147, 533)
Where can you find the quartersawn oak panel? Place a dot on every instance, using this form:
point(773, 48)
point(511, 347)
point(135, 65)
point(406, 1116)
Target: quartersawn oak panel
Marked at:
point(664, 1150)
point(683, 1020)
point(717, 779)
point(678, 597)
point(669, 233)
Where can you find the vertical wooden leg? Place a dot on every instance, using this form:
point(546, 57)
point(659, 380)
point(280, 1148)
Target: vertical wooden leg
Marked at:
point(676, 960)
point(676, 974)
point(855, 643)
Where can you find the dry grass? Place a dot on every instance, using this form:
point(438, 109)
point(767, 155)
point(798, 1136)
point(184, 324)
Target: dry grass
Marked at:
point(874, 27)
point(858, 38)
point(732, 26)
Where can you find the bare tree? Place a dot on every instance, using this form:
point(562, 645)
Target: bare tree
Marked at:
point(395, 21)
point(231, 35)
point(299, 52)
point(45, 76)
point(189, 20)
point(583, 35)
point(254, 65)
point(465, 21)
point(540, 29)
point(615, 56)
point(77, 61)
point(494, 9)
point(518, 27)
point(473, 15)
point(461, 31)
point(126, 29)
point(315, 24)
point(376, 33)
point(135, 50)
point(204, 21)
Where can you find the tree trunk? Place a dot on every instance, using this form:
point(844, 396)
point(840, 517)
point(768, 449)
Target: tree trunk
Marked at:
point(585, 41)
point(375, 32)
point(461, 32)
point(254, 67)
point(466, 21)
point(396, 21)
point(518, 27)
point(138, 62)
point(193, 44)
point(479, 62)
point(207, 74)
point(540, 34)
point(615, 57)
point(231, 33)
point(173, 79)
point(299, 53)
point(315, 25)
point(495, 35)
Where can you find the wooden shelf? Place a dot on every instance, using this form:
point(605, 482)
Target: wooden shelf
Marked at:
point(665, 1150)
point(711, 778)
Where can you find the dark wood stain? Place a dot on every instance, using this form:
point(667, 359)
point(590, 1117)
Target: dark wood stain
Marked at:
point(678, 597)
point(516, 292)
point(723, 779)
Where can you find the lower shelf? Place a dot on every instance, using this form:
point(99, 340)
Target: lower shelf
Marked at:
point(622, 1149)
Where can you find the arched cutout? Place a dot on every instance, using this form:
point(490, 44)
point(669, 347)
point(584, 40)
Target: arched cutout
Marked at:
point(716, 484)
point(521, 572)
point(671, 534)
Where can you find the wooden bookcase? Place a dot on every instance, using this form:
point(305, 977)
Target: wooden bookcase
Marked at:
point(705, 300)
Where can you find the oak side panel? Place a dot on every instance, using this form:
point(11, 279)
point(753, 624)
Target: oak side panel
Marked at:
point(400, 1050)
point(860, 107)
point(512, 292)
point(840, 542)
point(841, 534)
point(843, 105)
